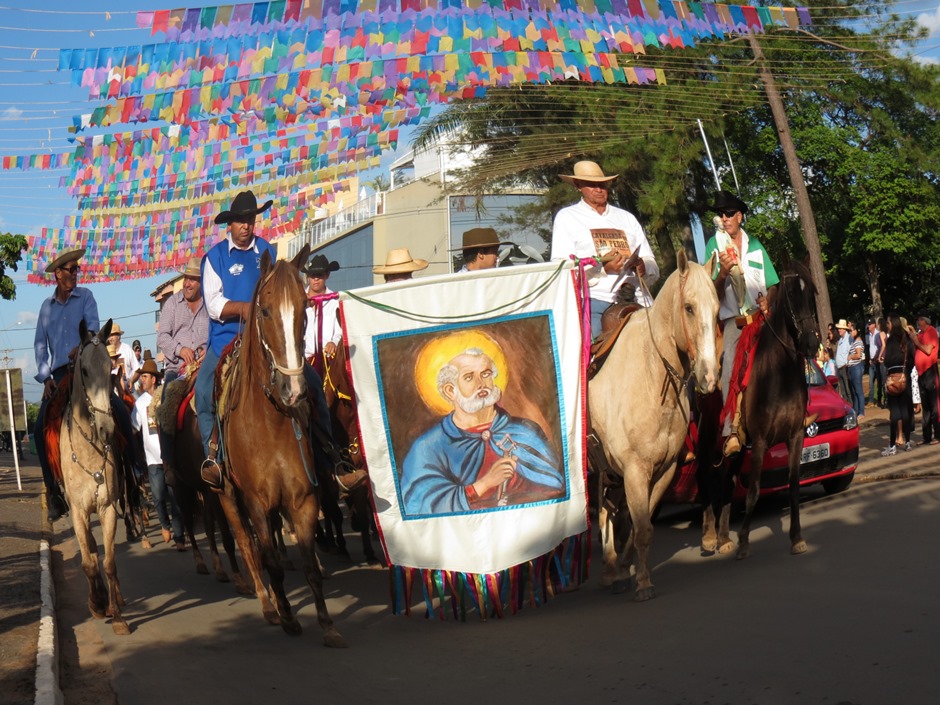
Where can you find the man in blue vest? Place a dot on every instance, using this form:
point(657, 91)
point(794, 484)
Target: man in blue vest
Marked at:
point(230, 271)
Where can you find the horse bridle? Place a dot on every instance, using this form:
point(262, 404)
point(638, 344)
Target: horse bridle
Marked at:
point(273, 364)
point(796, 320)
point(105, 452)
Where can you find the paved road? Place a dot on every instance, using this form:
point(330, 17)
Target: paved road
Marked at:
point(852, 621)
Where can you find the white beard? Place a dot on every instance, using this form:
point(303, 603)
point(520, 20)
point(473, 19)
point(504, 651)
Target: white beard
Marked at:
point(475, 404)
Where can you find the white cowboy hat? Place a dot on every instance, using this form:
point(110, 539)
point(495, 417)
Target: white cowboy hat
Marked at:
point(842, 324)
point(64, 257)
point(587, 171)
point(400, 261)
point(193, 268)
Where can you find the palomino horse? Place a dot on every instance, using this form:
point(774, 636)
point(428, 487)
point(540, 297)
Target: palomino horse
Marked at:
point(773, 406)
point(90, 471)
point(182, 474)
point(341, 400)
point(640, 409)
point(267, 444)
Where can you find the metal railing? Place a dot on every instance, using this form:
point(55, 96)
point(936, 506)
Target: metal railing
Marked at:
point(337, 224)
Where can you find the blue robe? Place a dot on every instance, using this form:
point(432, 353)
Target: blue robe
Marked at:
point(445, 460)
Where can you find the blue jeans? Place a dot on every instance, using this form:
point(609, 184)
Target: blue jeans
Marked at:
point(856, 372)
point(205, 403)
point(163, 497)
point(597, 310)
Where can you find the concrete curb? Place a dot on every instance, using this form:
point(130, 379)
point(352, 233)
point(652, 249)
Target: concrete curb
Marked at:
point(47, 662)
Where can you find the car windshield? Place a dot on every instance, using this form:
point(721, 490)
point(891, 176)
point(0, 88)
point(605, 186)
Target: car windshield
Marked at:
point(814, 375)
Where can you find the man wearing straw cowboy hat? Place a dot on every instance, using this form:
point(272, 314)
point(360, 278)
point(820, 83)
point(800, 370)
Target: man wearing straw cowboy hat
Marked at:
point(592, 228)
point(55, 345)
point(184, 324)
point(127, 356)
point(171, 524)
point(399, 266)
point(481, 249)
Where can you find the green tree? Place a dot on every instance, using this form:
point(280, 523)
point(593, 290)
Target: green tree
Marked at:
point(11, 252)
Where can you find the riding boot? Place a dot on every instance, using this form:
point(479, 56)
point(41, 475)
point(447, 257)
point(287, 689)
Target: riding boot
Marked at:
point(56, 504)
point(734, 443)
point(211, 471)
point(348, 477)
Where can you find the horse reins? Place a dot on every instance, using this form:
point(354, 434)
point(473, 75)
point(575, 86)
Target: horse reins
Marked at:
point(793, 317)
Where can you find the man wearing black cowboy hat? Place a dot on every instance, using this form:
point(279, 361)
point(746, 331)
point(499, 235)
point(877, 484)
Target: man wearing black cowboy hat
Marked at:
point(324, 332)
point(592, 228)
point(55, 345)
point(230, 271)
point(745, 279)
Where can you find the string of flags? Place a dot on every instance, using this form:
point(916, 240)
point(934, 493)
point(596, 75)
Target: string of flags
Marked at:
point(288, 94)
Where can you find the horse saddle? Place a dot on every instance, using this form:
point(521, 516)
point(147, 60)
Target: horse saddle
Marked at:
point(225, 378)
point(612, 324)
point(177, 395)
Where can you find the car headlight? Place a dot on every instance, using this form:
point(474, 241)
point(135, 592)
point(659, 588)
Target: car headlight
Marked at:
point(851, 420)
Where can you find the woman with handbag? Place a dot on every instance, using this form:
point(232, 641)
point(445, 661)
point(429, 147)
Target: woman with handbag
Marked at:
point(899, 361)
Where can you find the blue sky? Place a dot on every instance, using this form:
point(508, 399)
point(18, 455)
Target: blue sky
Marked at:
point(36, 107)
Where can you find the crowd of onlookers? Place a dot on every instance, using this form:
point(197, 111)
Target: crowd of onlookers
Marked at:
point(900, 360)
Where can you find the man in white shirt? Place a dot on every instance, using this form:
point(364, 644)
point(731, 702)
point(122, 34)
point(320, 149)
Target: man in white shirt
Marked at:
point(128, 358)
point(324, 332)
point(144, 420)
point(594, 228)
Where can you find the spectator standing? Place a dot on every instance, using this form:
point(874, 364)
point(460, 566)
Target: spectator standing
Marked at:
point(899, 357)
point(842, 359)
point(874, 342)
point(856, 370)
point(925, 360)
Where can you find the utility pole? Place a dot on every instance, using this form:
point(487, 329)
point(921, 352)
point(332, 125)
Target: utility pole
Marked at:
point(805, 209)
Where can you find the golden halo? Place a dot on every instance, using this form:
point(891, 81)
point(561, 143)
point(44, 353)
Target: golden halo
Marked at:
point(437, 352)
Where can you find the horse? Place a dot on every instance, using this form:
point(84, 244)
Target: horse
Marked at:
point(182, 474)
point(90, 471)
point(266, 441)
point(341, 401)
point(639, 409)
point(773, 409)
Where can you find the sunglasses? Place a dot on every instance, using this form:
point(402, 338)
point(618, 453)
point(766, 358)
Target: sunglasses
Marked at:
point(728, 213)
point(71, 270)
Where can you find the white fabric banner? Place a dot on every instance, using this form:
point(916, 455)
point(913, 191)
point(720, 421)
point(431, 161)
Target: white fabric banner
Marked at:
point(469, 394)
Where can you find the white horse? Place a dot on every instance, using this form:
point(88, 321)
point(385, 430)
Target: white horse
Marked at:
point(639, 409)
point(90, 470)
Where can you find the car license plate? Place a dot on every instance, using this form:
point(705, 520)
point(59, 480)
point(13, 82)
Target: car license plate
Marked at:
point(814, 453)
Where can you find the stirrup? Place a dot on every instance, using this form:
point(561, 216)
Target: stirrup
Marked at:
point(351, 480)
point(211, 474)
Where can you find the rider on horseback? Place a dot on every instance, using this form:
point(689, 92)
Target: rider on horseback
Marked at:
point(741, 259)
point(230, 272)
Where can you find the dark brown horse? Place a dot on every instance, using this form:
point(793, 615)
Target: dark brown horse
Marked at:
point(341, 400)
point(774, 406)
point(266, 441)
point(182, 474)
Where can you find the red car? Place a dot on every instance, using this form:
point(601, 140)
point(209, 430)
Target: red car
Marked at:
point(830, 449)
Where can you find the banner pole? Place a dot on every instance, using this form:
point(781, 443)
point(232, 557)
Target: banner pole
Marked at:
point(16, 455)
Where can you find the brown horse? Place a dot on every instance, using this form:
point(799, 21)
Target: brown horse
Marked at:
point(639, 410)
point(341, 400)
point(266, 440)
point(93, 482)
point(773, 407)
point(182, 474)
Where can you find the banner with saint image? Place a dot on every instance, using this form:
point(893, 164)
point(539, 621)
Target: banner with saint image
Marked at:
point(469, 394)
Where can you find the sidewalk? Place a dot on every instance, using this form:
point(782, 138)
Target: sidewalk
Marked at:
point(873, 438)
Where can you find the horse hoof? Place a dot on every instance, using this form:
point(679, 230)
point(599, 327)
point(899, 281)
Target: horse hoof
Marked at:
point(743, 552)
point(333, 639)
point(97, 612)
point(145, 542)
point(242, 585)
point(706, 552)
point(798, 548)
point(618, 587)
point(203, 570)
point(726, 547)
point(644, 594)
point(120, 627)
point(222, 577)
point(709, 547)
point(292, 628)
point(271, 617)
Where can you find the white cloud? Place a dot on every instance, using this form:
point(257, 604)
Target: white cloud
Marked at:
point(27, 318)
point(11, 114)
point(930, 20)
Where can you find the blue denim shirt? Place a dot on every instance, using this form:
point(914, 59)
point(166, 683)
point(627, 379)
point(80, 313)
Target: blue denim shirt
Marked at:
point(842, 351)
point(57, 329)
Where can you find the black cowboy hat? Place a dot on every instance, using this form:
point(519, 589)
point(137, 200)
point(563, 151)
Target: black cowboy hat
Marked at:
point(243, 205)
point(319, 264)
point(727, 201)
